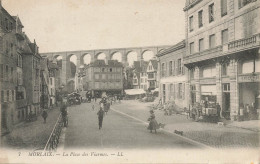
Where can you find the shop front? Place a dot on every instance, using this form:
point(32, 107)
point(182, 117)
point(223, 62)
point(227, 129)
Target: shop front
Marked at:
point(249, 91)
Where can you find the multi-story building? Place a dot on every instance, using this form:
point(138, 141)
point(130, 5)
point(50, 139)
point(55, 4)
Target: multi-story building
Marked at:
point(8, 59)
point(104, 77)
point(53, 75)
point(223, 40)
point(45, 83)
point(21, 102)
point(140, 75)
point(32, 82)
point(172, 78)
point(152, 74)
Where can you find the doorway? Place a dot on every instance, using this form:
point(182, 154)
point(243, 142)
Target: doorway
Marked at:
point(226, 101)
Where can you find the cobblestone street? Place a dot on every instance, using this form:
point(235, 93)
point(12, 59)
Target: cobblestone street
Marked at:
point(210, 134)
point(31, 135)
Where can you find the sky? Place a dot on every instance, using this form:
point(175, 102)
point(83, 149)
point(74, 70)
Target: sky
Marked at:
point(70, 25)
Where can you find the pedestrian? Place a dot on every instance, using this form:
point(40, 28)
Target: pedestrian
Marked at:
point(44, 115)
point(100, 117)
point(218, 110)
point(93, 106)
point(153, 125)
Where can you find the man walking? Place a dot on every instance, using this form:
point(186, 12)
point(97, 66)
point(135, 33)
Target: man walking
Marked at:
point(44, 115)
point(100, 117)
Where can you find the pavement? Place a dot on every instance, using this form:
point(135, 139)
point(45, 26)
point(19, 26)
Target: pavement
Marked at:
point(31, 135)
point(118, 131)
point(233, 135)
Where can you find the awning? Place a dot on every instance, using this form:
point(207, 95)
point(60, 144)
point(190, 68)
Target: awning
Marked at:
point(134, 91)
point(155, 90)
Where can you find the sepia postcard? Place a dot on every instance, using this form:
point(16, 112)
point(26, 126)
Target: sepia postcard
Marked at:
point(130, 81)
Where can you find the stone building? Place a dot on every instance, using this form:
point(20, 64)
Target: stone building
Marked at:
point(140, 75)
point(172, 77)
point(53, 87)
point(8, 58)
point(32, 80)
point(101, 77)
point(152, 74)
point(223, 40)
point(45, 82)
point(21, 47)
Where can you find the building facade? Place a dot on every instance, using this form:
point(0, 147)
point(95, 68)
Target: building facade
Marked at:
point(152, 74)
point(140, 75)
point(8, 60)
point(223, 40)
point(104, 77)
point(32, 82)
point(173, 75)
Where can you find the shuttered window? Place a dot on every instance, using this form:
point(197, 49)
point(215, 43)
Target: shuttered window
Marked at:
point(224, 36)
point(211, 13)
point(212, 41)
point(223, 7)
point(201, 44)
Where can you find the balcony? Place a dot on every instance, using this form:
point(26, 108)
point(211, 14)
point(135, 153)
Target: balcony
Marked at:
point(203, 55)
point(242, 44)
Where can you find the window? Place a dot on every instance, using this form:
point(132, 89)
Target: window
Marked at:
point(226, 87)
point(223, 7)
point(173, 71)
point(12, 74)
point(192, 48)
point(110, 70)
point(242, 3)
point(225, 69)
point(180, 91)
point(192, 71)
point(6, 73)
point(170, 68)
point(201, 44)
point(200, 18)
point(2, 96)
point(7, 96)
point(13, 95)
point(6, 23)
point(251, 66)
point(11, 25)
point(179, 67)
point(212, 41)
point(1, 71)
point(163, 69)
point(191, 23)
point(96, 76)
point(211, 12)
point(224, 35)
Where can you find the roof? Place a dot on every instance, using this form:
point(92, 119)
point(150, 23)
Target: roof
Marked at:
point(173, 48)
point(140, 66)
point(154, 63)
point(18, 20)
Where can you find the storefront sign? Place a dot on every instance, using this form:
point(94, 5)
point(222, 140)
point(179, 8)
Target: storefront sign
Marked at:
point(248, 78)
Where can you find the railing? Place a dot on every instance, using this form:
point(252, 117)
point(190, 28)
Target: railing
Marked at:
point(243, 42)
point(53, 140)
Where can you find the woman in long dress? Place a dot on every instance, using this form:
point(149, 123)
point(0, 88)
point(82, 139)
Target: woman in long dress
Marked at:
point(153, 125)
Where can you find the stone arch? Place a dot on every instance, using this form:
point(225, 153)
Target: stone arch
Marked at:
point(100, 56)
point(131, 56)
point(116, 56)
point(72, 64)
point(85, 59)
point(147, 55)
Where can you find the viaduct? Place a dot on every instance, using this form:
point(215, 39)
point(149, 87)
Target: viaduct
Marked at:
point(66, 55)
